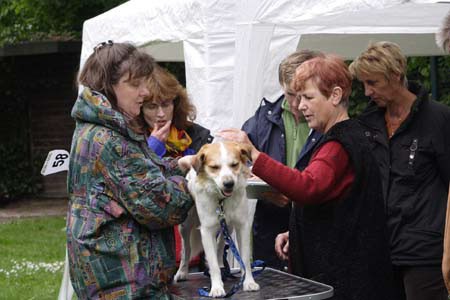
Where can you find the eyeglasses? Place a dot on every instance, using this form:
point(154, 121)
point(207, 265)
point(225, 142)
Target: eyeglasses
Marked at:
point(154, 106)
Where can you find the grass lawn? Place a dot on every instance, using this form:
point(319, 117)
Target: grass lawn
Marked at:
point(32, 253)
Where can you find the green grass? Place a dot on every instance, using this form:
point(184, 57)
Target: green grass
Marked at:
point(32, 255)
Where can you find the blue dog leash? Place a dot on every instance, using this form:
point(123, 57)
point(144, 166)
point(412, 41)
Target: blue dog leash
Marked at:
point(226, 271)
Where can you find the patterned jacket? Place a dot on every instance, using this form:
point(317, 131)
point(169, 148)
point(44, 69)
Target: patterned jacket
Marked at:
point(123, 203)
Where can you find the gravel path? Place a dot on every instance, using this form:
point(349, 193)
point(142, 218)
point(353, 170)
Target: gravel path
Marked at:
point(32, 208)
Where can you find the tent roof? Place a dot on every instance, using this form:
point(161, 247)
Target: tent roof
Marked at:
point(232, 48)
point(411, 25)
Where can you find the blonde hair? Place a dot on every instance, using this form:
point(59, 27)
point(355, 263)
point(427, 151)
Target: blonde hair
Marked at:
point(381, 57)
point(287, 67)
point(443, 35)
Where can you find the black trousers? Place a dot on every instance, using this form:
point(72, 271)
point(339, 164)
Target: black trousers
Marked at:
point(268, 222)
point(420, 283)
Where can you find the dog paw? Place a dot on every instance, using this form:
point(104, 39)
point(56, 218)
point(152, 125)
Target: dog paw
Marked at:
point(217, 292)
point(251, 286)
point(180, 276)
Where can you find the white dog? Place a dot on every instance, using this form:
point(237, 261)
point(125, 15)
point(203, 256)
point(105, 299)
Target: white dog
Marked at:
point(219, 173)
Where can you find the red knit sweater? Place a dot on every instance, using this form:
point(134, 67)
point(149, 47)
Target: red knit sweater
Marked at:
point(328, 175)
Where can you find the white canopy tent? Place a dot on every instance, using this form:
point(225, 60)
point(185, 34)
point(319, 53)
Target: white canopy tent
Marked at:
point(232, 48)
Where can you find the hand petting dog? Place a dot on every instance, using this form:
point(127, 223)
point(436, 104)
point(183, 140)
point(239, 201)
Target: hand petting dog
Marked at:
point(239, 136)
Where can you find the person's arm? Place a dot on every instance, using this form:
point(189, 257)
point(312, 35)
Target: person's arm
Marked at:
point(158, 138)
point(446, 254)
point(328, 175)
point(156, 145)
point(140, 185)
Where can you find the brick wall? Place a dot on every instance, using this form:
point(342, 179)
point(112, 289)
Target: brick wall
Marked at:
point(51, 124)
point(47, 83)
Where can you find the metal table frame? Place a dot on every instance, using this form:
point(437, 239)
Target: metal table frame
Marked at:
point(274, 284)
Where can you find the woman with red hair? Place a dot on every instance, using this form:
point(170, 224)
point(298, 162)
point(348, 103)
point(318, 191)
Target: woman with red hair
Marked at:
point(338, 233)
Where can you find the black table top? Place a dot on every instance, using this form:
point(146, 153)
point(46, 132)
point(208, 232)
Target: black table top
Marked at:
point(273, 284)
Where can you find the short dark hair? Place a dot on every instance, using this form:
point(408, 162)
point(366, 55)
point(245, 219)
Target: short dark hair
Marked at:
point(109, 62)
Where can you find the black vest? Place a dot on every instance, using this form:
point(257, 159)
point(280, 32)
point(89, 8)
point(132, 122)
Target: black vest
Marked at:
point(343, 242)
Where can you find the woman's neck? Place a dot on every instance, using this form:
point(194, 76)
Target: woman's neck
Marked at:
point(401, 105)
point(341, 116)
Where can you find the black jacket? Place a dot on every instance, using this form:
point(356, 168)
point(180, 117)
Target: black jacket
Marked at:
point(266, 131)
point(344, 242)
point(415, 171)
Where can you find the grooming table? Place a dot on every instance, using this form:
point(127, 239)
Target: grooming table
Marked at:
point(273, 284)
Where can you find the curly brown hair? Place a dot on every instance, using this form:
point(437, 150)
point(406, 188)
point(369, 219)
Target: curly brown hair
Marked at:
point(164, 86)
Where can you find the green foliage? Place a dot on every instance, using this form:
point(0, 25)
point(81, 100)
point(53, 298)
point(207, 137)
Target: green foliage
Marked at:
point(419, 68)
point(20, 176)
point(31, 264)
point(37, 20)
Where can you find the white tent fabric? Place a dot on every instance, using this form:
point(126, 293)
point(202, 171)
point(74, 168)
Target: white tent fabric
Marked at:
point(232, 48)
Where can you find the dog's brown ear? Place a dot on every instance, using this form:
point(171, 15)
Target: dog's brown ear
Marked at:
point(199, 159)
point(246, 151)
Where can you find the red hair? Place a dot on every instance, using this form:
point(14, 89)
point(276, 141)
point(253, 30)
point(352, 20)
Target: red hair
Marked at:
point(327, 73)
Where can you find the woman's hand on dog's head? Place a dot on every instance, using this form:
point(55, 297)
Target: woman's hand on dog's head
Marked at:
point(239, 136)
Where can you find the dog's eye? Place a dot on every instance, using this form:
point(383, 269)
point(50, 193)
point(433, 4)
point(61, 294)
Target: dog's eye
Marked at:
point(234, 165)
point(214, 167)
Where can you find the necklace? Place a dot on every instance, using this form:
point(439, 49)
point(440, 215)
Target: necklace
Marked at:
point(392, 124)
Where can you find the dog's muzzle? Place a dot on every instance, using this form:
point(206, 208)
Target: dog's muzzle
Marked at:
point(227, 189)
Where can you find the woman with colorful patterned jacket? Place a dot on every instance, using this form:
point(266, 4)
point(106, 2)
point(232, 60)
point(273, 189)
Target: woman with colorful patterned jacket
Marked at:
point(123, 198)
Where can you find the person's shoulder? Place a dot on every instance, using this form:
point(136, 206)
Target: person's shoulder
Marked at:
point(432, 112)
point(368, 112)
point(439, 106)
point(197, 130)
point(272, 104)
point(266, 105)
point(351, 131)
point(196, 126)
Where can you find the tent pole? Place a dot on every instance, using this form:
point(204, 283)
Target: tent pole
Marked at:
point(433, 77)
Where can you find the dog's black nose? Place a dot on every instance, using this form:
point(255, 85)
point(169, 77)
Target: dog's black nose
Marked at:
point(228, 184)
